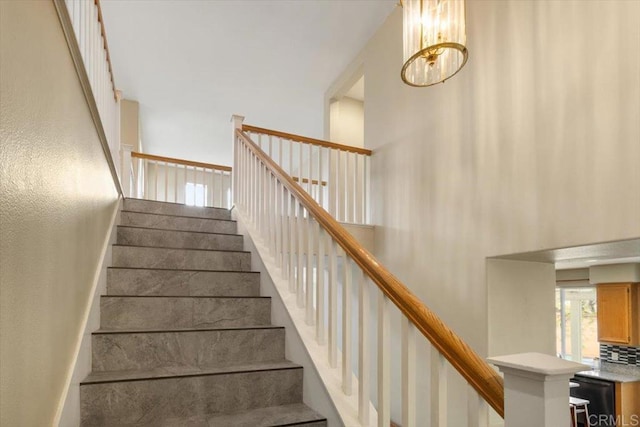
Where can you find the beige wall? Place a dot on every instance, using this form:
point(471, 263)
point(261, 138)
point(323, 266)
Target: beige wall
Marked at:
point(535, 144)
point(347, 122)
point(58, 197)
point(130, 124)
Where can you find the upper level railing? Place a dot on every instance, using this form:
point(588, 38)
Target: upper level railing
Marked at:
point(300, 234)
point(335, 175)
point(167, 179)
point(83, 25)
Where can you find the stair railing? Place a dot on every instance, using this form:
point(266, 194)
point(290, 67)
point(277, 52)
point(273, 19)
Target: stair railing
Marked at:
point(83, 26)
point(335, 175)
point(167, 179)
point(299, 234)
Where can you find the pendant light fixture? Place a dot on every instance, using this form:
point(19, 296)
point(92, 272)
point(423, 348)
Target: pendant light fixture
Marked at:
point(434, 40)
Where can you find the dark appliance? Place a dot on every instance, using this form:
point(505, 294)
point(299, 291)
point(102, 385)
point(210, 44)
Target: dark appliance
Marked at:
point(601, 395)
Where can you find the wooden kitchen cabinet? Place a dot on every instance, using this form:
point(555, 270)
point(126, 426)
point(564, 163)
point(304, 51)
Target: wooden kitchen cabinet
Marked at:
point(618, 320)
point(627, 404)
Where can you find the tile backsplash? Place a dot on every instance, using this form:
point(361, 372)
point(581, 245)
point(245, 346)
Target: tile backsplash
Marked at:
point(626, 355)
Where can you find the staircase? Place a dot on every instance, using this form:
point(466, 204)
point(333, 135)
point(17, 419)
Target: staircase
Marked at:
point(185, 337)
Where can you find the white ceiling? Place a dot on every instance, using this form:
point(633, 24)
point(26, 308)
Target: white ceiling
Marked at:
point(192, 64)
point(617, 252)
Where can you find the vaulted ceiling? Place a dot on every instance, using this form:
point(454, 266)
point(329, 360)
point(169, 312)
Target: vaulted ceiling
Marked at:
point(191, 64)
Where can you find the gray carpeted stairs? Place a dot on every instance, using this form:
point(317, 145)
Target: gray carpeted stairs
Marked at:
point(185, 338)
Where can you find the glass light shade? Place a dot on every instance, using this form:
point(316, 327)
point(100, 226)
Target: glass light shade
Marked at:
point(434, 40)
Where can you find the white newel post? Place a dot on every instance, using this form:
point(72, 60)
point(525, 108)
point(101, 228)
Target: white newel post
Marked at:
point(236, 123)
point(125, 172)
point(536, 389)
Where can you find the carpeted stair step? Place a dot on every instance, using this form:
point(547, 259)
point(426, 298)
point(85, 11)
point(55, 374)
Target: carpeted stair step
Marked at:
point(129, 350)
point(163, 282)
point(151, 312)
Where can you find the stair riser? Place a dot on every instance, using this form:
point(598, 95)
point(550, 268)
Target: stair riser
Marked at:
point(181, 259)
point(175, 282)
point(175, 209)
point(178, 239)
point(175, 313)
point(165, 222)
point(113, 352)
point(151, 401)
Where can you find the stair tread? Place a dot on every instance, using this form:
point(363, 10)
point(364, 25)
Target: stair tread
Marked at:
point(135, 199)
point(115, 267)
point(187, 296)
point(284, 415)
point(171, 230)
point(272, 416)
point(153, 206)
point(105, 331)
point(184, 371)
point(178, 216)
point(118, 245)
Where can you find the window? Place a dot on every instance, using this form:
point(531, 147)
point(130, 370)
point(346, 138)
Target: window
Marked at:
point(195, 194)
point(576, 324)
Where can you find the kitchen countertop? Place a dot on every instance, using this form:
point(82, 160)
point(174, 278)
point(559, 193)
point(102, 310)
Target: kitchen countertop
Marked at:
point(611, 376)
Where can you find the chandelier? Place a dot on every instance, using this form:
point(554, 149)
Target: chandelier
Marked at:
point(434, 40)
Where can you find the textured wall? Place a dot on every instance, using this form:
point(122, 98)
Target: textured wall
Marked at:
point(535, 144)
point(57, 197)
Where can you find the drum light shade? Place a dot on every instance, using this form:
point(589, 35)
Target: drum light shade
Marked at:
point(434, 40)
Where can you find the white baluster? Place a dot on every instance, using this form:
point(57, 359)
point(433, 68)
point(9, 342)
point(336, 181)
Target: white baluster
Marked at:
point(155, 176)
point(300, 252)
point(477, 409)
point(350, 182)
point(293, 238)
point(333, 184)
point(286, 265)
point(310, 170)
point(278, 225)
point(359, 196)
point(184, 184)
point(166, 180)
point(300, 174)
point(340, 179)
point(309, 226)
point(438, 389)
point(367, 189)
point(320, 286)
point(175, 183)
point(408, 373)
point(333, 303)
point(290, 169)
point(320, 186)
point(364, 375)
point(346, 325)
point(384, 359)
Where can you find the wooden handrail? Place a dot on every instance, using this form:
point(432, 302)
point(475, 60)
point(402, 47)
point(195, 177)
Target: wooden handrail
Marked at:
point(477, 372)
point(180, 161)
point(304, 139)
point(106, 48)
